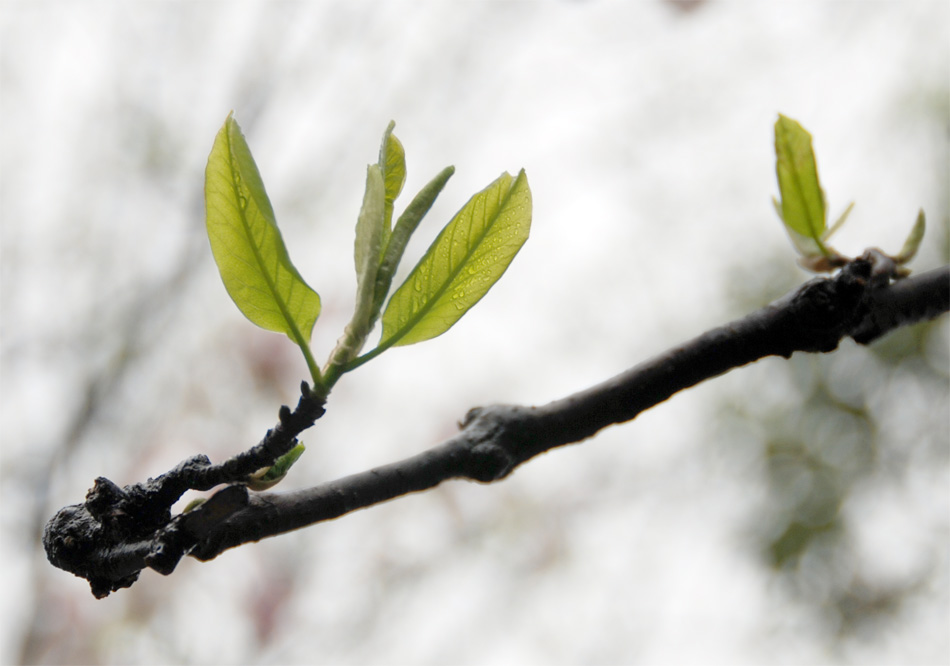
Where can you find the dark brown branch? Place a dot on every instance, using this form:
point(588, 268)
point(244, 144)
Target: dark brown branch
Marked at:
point(905, 302)
point(494, 440)
point(117, 532)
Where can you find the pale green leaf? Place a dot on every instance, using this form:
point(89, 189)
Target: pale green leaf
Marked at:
point(269, 477)
point(803, 202)
point(839, 222)
point(368, 246)
point(912, 244)
point(405, 225)
point(462, 264)
point(806, 246)
point(247, 245)
point(392, 162)
point(369, 232)
point(778, 208)
point(194, 504)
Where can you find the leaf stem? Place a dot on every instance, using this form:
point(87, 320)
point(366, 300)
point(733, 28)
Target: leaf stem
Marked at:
point(311, 362)
point(370, 355)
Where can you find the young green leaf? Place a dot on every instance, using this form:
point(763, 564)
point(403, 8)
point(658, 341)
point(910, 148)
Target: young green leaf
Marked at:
point(368, 246)
point(369, 235)
point(269, 477)
point(803, 202)
point(247, 245)
point(392, 163)
point(839, 222)
point(461, 265)
point(399, 238)
point(806, 245)
point(913, 240)
point(194, 504)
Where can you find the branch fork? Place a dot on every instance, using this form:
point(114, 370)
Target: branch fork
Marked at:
point(117, 532)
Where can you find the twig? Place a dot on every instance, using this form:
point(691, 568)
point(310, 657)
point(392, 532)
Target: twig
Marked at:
point(117, 532)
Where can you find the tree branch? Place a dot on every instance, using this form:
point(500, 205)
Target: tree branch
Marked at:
point(862, 301)
point(117, 532)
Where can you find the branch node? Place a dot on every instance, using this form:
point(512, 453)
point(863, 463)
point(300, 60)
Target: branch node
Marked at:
point(489, 462)
point(117, 531)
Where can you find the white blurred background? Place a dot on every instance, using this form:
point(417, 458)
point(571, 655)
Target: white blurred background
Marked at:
point(791, 512)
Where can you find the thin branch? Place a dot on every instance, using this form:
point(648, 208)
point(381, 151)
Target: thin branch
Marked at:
point(861, 301)
point(905, 302)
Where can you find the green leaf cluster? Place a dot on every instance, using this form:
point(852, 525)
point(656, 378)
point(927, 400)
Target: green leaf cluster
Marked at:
point(803, 207)
point(465, 260)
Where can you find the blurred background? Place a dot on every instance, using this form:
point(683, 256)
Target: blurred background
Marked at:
point(790, 512)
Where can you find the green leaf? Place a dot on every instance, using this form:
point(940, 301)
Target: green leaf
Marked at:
point(912, 244)
point(839, 222)
point(368, 246)
point(369, 239)
point(392, 163)
point(806, 246)
point(778, 208)
point(269, 477)
point(194, 504)
point(803, 202)
point(462, 264)
point(247, 245)
point(405, 225)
